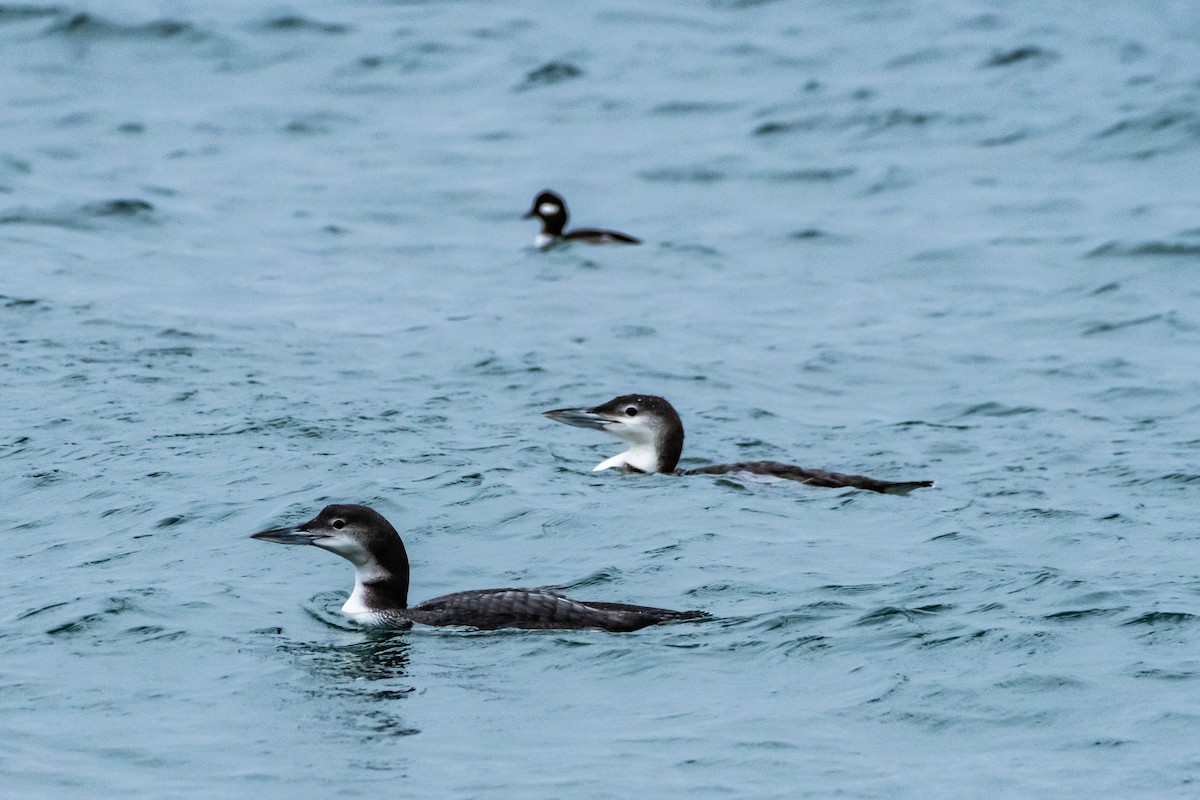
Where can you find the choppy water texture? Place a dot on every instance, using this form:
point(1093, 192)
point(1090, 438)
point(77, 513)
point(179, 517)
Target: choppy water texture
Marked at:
point(257, 259)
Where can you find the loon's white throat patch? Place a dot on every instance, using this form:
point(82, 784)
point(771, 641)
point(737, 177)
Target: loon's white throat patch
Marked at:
point(641, 457)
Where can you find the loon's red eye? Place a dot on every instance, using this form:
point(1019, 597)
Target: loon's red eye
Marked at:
point(338, 523)
point(631, 411)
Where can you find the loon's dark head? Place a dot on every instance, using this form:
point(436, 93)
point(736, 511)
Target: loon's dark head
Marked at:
point(363, 537)
point(648, 423)
point(552, 210)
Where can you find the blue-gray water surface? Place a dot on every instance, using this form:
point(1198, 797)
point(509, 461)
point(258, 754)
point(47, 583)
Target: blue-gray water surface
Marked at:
point(258, 258)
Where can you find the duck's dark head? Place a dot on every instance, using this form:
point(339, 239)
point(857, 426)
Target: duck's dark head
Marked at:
point(552, 210)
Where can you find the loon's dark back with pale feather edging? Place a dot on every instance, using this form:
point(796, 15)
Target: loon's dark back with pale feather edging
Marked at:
point(488, 609)
point(811, 477)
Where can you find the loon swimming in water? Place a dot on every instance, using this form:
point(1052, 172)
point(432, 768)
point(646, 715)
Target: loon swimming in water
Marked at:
point(552, 210)
point(368, 541)
point(654, 432)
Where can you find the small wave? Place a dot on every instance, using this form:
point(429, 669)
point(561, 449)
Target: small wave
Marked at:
point(326, 608)
point(292, 23)
point(1030, 53)
point(56, 219)
point(773, 127)
point(18, 166)
point(154, 633)
point(691, 249)
point(681, 108)
point(1106, 327)
point(550, 74)
point(871, 123)
point(850, 589)
point(942, 640)
point(82, 218)
point(286, 424)
point(808, 234)
point(1053, 513)
point(1004, 139)
point(1149, 135)
point(1153, 124)
point(88, 27)
point(740, 4)
point(166, 352)
point(114, 606)
point(811, 175)
point(35, 611)
point(886, 614)
point(121, 207)
point(634, 331)
point(926, 55)
point(1082, 613)
point(13, 13)
point(801, 618)
point(682, 175)
point(14, 447)
point(316, 123)
point(599, 577)
point(1040, 683)
point(1177, 477)
point(1166, 674)
point(994, 409)
point(19, 302)
point(923, 423)
point(1162, 618)
point(807, 643)
point(1151, 248)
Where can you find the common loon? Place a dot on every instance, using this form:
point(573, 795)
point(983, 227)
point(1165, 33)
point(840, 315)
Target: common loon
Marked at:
point(654, 432)
point(552, 210)
point(368, 541)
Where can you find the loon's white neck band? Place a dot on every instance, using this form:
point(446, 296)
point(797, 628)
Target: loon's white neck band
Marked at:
point(356, 606)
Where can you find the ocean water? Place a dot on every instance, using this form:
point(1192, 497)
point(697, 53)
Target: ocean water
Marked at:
point(259, 258)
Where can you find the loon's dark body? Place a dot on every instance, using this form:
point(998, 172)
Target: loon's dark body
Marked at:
point(811, 477)
point(363, 537)
point(654, 430)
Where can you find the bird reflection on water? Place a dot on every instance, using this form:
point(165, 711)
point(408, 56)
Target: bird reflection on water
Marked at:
point(365, 678)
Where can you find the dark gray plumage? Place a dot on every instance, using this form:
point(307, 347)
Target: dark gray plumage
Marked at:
point(811, 477)
point(537, 608)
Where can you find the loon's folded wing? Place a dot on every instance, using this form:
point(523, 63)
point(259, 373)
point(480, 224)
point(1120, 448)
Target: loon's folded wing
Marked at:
point(812, 477)
point(489, 609)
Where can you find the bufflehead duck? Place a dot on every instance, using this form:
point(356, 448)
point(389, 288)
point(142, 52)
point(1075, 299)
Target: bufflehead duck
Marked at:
point(552, 210)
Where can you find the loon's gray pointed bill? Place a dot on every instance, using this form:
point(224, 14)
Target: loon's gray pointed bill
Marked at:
point(292, 535)
point(579, 417)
